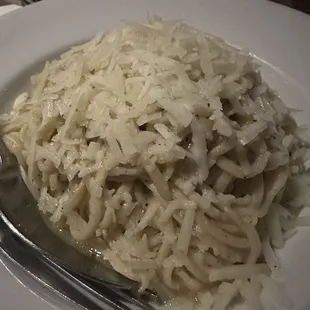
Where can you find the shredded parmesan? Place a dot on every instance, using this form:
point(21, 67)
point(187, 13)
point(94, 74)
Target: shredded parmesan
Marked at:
point(165, 144)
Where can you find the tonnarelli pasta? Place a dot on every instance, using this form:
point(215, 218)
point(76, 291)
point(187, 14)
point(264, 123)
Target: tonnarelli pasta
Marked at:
point(167, 145)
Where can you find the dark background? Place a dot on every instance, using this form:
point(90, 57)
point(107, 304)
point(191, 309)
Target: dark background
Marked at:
point(302, 5)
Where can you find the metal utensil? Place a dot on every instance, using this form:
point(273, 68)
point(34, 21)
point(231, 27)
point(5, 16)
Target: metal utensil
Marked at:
point(40, 271)
point(19, 213)
point(18, 209)
point(87, 294)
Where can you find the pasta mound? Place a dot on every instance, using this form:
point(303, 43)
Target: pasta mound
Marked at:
point(166, 144)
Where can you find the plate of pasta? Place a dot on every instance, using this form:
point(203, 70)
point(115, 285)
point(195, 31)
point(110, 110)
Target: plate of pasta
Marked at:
point(173, 140)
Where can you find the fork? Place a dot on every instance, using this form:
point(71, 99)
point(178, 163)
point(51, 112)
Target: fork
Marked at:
point(20, 220)
point(30, 263)
point(67, 284)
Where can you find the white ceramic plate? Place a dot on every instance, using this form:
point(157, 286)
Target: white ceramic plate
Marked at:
point(279, 37)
